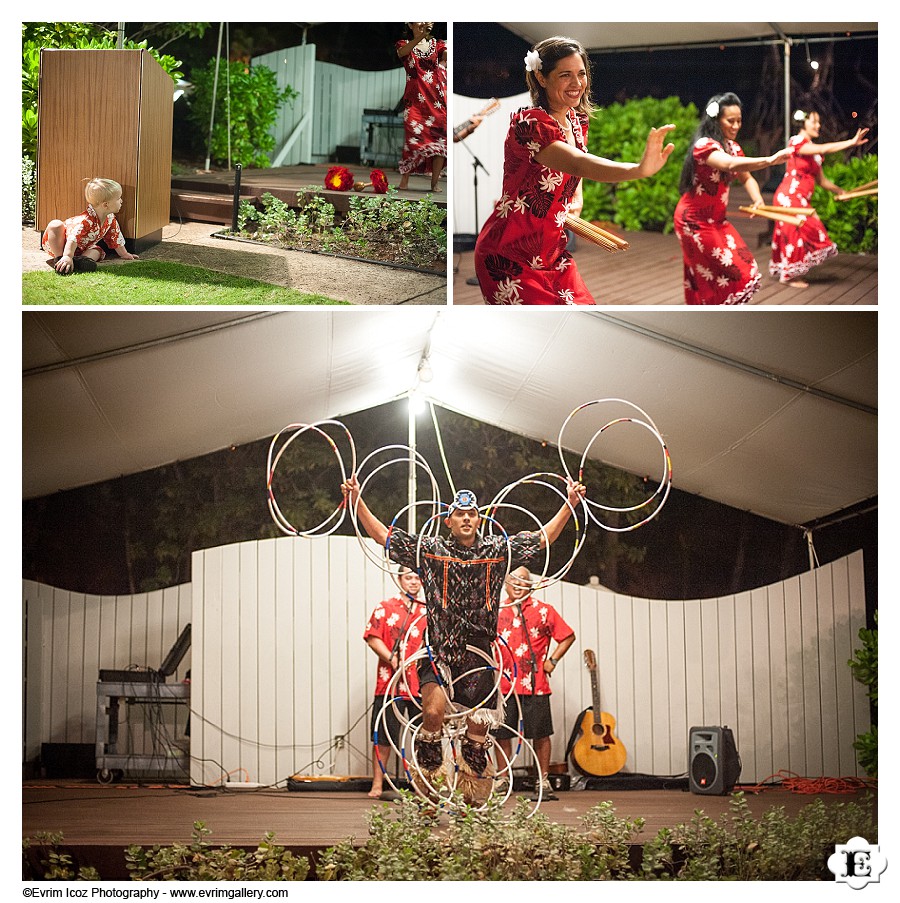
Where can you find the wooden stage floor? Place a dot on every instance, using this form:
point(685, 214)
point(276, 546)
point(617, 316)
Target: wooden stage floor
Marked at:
point(650, 272)
point(98, 821)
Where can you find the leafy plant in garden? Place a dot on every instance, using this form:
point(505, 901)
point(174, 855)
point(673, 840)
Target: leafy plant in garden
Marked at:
point(247, 102)
point(852, 225)
point(42, 859)
point(864, 667)
point(619, 132)
point(383, 227)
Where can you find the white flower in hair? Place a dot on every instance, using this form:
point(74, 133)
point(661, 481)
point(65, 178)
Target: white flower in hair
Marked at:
point(533, 61)
point(799, 115)
point(712, 109)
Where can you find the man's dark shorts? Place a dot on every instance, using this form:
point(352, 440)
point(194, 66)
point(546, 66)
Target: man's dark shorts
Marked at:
point(407, 709)
point(536, 718)
point(476, 689)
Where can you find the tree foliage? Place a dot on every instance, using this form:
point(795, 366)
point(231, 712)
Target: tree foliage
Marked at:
point(852, 225)
point(247, 101)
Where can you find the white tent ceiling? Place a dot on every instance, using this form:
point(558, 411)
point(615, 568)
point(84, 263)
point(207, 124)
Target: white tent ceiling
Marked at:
point(771, 412)
point(600, 36)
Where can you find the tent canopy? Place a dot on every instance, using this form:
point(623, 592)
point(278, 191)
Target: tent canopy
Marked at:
point(770, 412)
point(597, 37)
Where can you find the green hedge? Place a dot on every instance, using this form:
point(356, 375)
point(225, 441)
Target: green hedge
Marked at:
point(852, 225)
point(619, 132)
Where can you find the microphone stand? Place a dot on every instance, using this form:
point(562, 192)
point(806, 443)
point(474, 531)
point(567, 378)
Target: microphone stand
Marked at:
point(475, 164)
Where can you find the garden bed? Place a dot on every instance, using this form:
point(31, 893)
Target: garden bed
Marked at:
point(383, 229)
point(439, 268)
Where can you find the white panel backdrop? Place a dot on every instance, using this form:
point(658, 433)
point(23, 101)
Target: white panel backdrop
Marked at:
point(279, 667)
point(332, 97)
point(282, 669)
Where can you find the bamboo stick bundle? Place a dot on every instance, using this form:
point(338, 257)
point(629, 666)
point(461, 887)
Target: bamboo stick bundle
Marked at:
point(595, 234)
point(790, 211)
point(769, 214)
point(849, 195)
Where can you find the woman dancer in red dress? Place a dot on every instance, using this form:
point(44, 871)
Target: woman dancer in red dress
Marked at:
point(520, 255)
point(797, 249)
point(425, 101)
point(719, 268)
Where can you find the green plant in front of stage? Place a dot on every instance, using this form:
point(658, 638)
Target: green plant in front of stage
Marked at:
point(864, 667)
point(201, 861)
point(43, 860)
point(406, 843)
point(376, 227)
point(773, 847)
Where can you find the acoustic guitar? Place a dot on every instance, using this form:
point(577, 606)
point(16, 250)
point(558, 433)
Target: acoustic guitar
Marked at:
point(466, 128)
point(595, 749)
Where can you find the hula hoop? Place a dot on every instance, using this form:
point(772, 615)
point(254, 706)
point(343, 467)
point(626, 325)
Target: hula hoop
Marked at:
point(662, 489)
point(580, 535)
point(272, 463)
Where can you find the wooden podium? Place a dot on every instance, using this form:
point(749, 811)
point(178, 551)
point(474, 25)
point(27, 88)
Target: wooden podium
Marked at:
point(105, 114)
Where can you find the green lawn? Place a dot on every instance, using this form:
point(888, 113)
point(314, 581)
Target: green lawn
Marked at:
point(155, 282)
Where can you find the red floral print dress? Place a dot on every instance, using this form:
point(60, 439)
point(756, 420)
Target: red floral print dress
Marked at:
point(520, 255)
point(719, 268)
point(797, 249)
point(425, 102)
point(89, 230)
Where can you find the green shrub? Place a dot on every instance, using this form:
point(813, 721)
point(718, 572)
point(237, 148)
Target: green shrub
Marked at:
point(619, 132)
point(199, 861)
point(255, 100)
point(42, 860)
point(852, 225)
point(864, 667)
point(497, 845)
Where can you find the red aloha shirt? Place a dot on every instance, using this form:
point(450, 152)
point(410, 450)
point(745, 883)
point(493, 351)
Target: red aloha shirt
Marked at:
point(87, 229)
point(390, 621)
point(542, 623)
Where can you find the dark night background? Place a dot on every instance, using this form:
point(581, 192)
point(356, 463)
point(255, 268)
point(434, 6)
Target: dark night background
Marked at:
point(136, 533)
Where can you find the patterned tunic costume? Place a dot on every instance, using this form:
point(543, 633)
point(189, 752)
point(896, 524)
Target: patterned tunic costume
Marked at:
point(520, 255)
point(462, 588)
point(719, 268)
point(88, 231)
point(425, 102)
point(797, 249)
point(542, 623)
point(390, 622)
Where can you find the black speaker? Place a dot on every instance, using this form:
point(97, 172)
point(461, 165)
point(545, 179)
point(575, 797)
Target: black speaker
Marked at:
point(713, 761)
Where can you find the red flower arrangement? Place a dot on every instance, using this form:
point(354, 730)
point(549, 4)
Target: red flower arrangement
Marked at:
point(379, 182)
point(339, 178)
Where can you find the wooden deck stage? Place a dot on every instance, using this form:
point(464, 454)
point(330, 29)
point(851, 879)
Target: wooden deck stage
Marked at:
point(98, 821)
point(650, 272)
point(209, 196)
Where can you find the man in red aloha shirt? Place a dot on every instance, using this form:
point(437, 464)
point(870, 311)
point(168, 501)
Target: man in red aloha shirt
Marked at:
point(394, 633)
point(525, 627)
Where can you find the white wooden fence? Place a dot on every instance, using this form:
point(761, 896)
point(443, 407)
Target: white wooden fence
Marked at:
point(328, 113)
point(279, 667)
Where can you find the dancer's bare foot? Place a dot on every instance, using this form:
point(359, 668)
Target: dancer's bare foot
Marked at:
point(794, 283)
point(375, 793)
